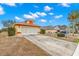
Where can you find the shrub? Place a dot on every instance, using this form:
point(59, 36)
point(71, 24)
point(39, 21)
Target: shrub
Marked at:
point(0, 31)
point(11, 31)
point(76, 41)
point(42, 31)
point(60, 34)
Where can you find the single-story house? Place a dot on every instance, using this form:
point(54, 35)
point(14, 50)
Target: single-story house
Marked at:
point(49, 29)
point(53, 29)
point(28, 27)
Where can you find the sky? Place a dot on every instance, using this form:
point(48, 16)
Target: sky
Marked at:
point(44, 14)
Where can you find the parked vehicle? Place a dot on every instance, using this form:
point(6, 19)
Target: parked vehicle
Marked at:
point(61, 33)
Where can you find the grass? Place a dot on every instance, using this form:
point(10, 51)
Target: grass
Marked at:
point(76, 41)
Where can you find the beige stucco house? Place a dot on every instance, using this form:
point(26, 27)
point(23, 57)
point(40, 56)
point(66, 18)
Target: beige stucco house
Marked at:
point(28, 27)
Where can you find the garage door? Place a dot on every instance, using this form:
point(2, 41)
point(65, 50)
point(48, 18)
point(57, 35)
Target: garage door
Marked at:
point(29, 30)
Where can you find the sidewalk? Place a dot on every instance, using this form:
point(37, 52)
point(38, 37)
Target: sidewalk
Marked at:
point(76, 53)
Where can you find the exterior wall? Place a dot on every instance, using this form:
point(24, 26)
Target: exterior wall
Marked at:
point(18, 30)
point(52, 31)
point(25, 30)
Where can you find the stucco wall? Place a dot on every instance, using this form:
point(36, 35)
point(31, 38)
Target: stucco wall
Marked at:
point(27, 30)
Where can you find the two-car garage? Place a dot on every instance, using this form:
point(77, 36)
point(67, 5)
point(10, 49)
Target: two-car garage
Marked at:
point(25, 30)
point(27, 27)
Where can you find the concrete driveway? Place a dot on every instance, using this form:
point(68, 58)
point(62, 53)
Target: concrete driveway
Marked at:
point(53, 46)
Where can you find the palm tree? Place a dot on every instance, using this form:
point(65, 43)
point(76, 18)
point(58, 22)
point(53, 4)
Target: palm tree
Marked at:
point(73, 16)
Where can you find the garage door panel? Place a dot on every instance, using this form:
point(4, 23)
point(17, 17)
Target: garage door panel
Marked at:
point(28, 30)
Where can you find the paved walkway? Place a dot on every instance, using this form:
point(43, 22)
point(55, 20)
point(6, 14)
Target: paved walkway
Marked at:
point(53, 46)
point(76, 53)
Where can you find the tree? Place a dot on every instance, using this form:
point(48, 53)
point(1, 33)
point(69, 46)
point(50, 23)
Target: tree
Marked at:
point(8, 26)
point(8, 23)
point(73, 16)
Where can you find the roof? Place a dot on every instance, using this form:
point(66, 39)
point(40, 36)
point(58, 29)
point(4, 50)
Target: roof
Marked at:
point(23, 24)
point(54, 27)
point(29, 20)
point(47, 27)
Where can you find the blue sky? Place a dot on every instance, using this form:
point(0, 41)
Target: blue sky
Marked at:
point(44, 14)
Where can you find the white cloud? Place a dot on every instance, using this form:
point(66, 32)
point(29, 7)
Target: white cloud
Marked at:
point(43, 20)
point(17, 18)
point(31, 15)
point(10, 4)
point(1, 10)
point(41, 13)
point(47, 8)
point(51, 13)
point(28, 16)
point(65, 4)
point(34, 15)
point(38, 13)
point(58, 16)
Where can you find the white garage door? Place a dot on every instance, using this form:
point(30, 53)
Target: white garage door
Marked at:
point(29, 30)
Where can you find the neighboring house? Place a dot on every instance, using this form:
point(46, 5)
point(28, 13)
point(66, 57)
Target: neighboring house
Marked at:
point(54, 29)
point(49, 29)
point(28, 27)
point(62, 27)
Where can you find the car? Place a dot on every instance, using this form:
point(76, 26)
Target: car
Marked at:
point(64, 32)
